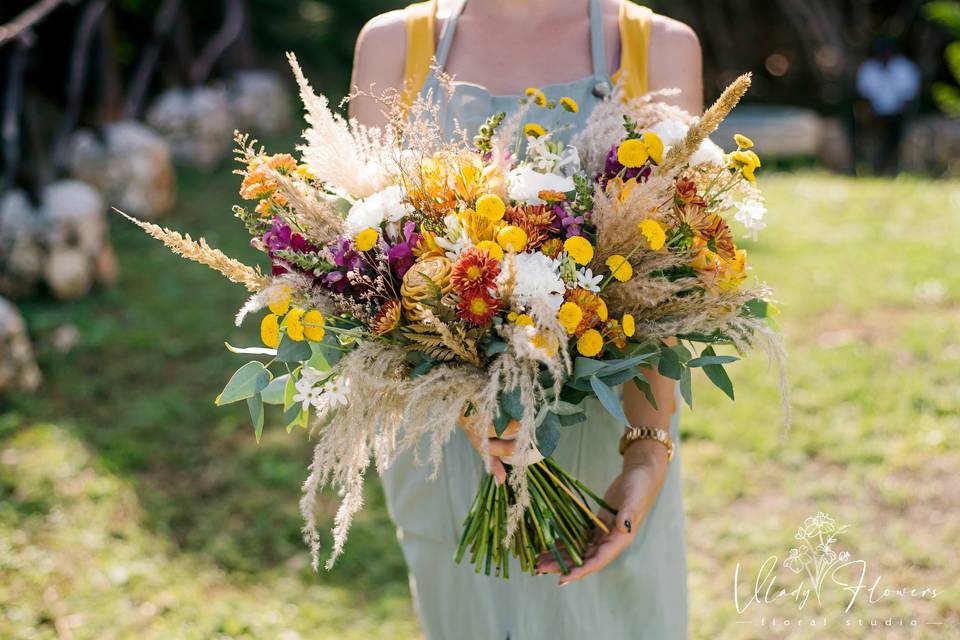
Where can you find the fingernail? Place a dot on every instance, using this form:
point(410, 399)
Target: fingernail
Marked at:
point(628, 525)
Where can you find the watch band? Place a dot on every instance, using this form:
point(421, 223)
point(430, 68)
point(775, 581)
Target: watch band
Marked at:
point(632, 434)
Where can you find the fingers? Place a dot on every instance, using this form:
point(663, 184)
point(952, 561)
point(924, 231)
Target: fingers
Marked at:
point(500, 448)
point(547, 562)
point(498, 471)
point(630, 513)
point(598, 557)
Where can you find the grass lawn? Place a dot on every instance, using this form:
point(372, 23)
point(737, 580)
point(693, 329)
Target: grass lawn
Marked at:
point(130, 507)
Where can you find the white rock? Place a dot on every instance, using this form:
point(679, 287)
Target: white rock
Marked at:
point(21, 249)
point(18, 369)
point(69, 272)
point(74, 213)
point(197, 123)
point(260, 101)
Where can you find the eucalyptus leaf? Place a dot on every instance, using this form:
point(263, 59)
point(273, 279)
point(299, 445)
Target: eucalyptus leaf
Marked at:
point(249, 379)
point(610, 401)
point(273, 393)
point(643, 385)
point(291, 350)
point(756, 308)
point(669, 365)
point(617, 379)
point(615, 366)
point(290, 389)
point(718, 375)
point(495, 347)
point(572, 419)
point(511, 403)
point(255, 404)
point(548, 434)
point(686, 387)
point(586, 367)
point(562, 408)
point(703, 361)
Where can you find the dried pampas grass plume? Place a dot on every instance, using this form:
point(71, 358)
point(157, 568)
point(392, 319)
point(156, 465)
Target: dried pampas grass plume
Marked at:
point(187, 247)
point(707, 124)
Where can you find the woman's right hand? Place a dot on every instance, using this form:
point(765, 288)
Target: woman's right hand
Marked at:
point(497, 447)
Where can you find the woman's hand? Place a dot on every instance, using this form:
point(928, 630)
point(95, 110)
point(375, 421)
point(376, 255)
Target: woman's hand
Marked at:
point(497, 447)
point(632, 493)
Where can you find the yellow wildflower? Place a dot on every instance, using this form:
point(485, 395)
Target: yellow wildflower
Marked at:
point(279, 300)
point(570, 316)
point(313, 325)
point(533, 130)
point(628, 324)
point(602, 312)
point(747, 162)
point(590, 343)
point(654, 233)
point(620, 269)
point(491, 207)
point(545, 342)
point(579, 248)
point(294, 323)
point(492, 248)
point(367, 239)
point(523, 320)
point(732, 272)
point(654, 146)
point(512, 239)
point(539, 98)
point(270, 330)
point(632, 153)
point(742, 141)
point(569, 104)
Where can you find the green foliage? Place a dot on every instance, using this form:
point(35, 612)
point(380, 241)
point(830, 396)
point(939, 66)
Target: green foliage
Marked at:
point(947, 13)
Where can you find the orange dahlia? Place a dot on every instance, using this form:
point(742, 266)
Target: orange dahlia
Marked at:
point(478, 308)
point(388, 318)
point(592, 306)
point(474, 272)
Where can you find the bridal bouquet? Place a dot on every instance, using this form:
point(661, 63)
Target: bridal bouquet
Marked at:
point(494, 281)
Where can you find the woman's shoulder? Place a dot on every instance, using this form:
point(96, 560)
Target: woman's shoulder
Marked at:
point(675, 61)
point(379, 61)
point(672, 34)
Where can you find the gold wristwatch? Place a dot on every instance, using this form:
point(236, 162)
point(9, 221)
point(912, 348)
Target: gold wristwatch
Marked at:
point(633, 434)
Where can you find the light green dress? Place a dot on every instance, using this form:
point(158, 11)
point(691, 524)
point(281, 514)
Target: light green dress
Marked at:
point(642, 594)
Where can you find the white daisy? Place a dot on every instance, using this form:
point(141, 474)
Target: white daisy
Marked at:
point(586, 280)
point(538, 279)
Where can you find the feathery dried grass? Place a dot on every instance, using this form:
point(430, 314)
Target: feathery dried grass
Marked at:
point(199, 251)
point(617, 222)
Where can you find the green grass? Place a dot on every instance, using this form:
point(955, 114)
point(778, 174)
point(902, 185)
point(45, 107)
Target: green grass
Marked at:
point(130, 507)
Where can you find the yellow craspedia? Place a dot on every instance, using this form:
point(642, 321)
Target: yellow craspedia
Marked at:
point(569, 104)
point(590, 343)
point(295, 324)
point(654, 233)
point(523, 320)
point(270, 330)
point(654, 146)
point(620, 269)
point(367, 239)
point(533, 130)
point(579, 248)
point(512, 239)
point(491, 207)
point(313, 325)
point(628, 324)
point(570, 316)
point(280, 300)
point(538, 96)
point(742, 141)
point(602, 312)
point(632, 153)
point(492, 248)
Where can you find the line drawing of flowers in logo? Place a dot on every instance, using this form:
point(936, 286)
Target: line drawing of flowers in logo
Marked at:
point(815, 555)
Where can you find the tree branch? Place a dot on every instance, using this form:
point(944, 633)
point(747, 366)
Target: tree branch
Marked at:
point(232, 26)
point(27, 19)
point(166, 18)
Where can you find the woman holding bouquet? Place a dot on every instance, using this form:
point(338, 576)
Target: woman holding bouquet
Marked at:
point(633, 581)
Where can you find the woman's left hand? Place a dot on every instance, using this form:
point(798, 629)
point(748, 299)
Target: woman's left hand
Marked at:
point(632, 493)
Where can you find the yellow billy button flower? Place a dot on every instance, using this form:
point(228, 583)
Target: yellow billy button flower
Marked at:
point(602, 312)
point(570, 316)
point(539, 98)
point(313, 325)
point(491, 207)
point(654, 146)
point(270, 330)
point(569, 104)
point(533, 130)
point(629, 325)
point(294, 324)
point(620, 269)
point(632, 153)
point(524, 320)
point(512, 239)
point(579, 248)
point(742, 141)
point(654, 233)
point(747, 162)
point(279, 300)
point(367, 239)
point(492, 248)
point(590, 343)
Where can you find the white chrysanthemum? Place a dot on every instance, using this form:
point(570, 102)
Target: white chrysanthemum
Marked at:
point(586, 280)
point(524, 183)
point(708, 153)
point(537, 278)
point(672, 133)
point(750, 214)
point(384, 206)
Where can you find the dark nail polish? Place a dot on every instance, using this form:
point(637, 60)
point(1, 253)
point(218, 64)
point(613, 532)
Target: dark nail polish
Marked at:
point(628, 525)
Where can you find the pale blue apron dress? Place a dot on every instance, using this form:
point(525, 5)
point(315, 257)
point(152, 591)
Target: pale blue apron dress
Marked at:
point(641, 595)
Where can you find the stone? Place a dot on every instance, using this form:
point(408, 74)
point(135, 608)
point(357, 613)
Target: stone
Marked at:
point(931, 147)
point(132, 165)
point(18, 368)
point(778, 132)
point(21, 249)
point(69, 272)
point(197, 123)
point(260, 101)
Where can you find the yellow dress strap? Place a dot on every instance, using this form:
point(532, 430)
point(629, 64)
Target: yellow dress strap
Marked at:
point(635, 24)
point(421, 18)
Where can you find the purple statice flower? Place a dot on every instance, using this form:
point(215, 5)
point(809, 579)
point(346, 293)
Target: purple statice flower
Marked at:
point(400, 255)
point(612, 168)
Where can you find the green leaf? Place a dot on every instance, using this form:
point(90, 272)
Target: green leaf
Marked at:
point(255, 404)
point(718, 375)
point(294, 416)
point(273, 393)
point(669, 365)
point(586, 367)
point(510, 402)
point(422, 368)
point(290, 389)
point(249, 379)
point(572, 419)
point(495, 347)
point(704, 360)
point(562, 408)
point(616, 366)
point(756, 308)
point(318, 360)
point(548, 434)
point(291, 350)
point(608, 399)
point(686, 387)
point(253, 351)
point(643, 384)
point(617, 379)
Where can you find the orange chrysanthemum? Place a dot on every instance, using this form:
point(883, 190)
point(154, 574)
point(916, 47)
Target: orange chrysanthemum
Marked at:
point(479, 308)
point(552, 247)
point(535, 220)
point(592, 306)
point(718, 235)
point(474, 272)
point(388, 318)
point(613, 332)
